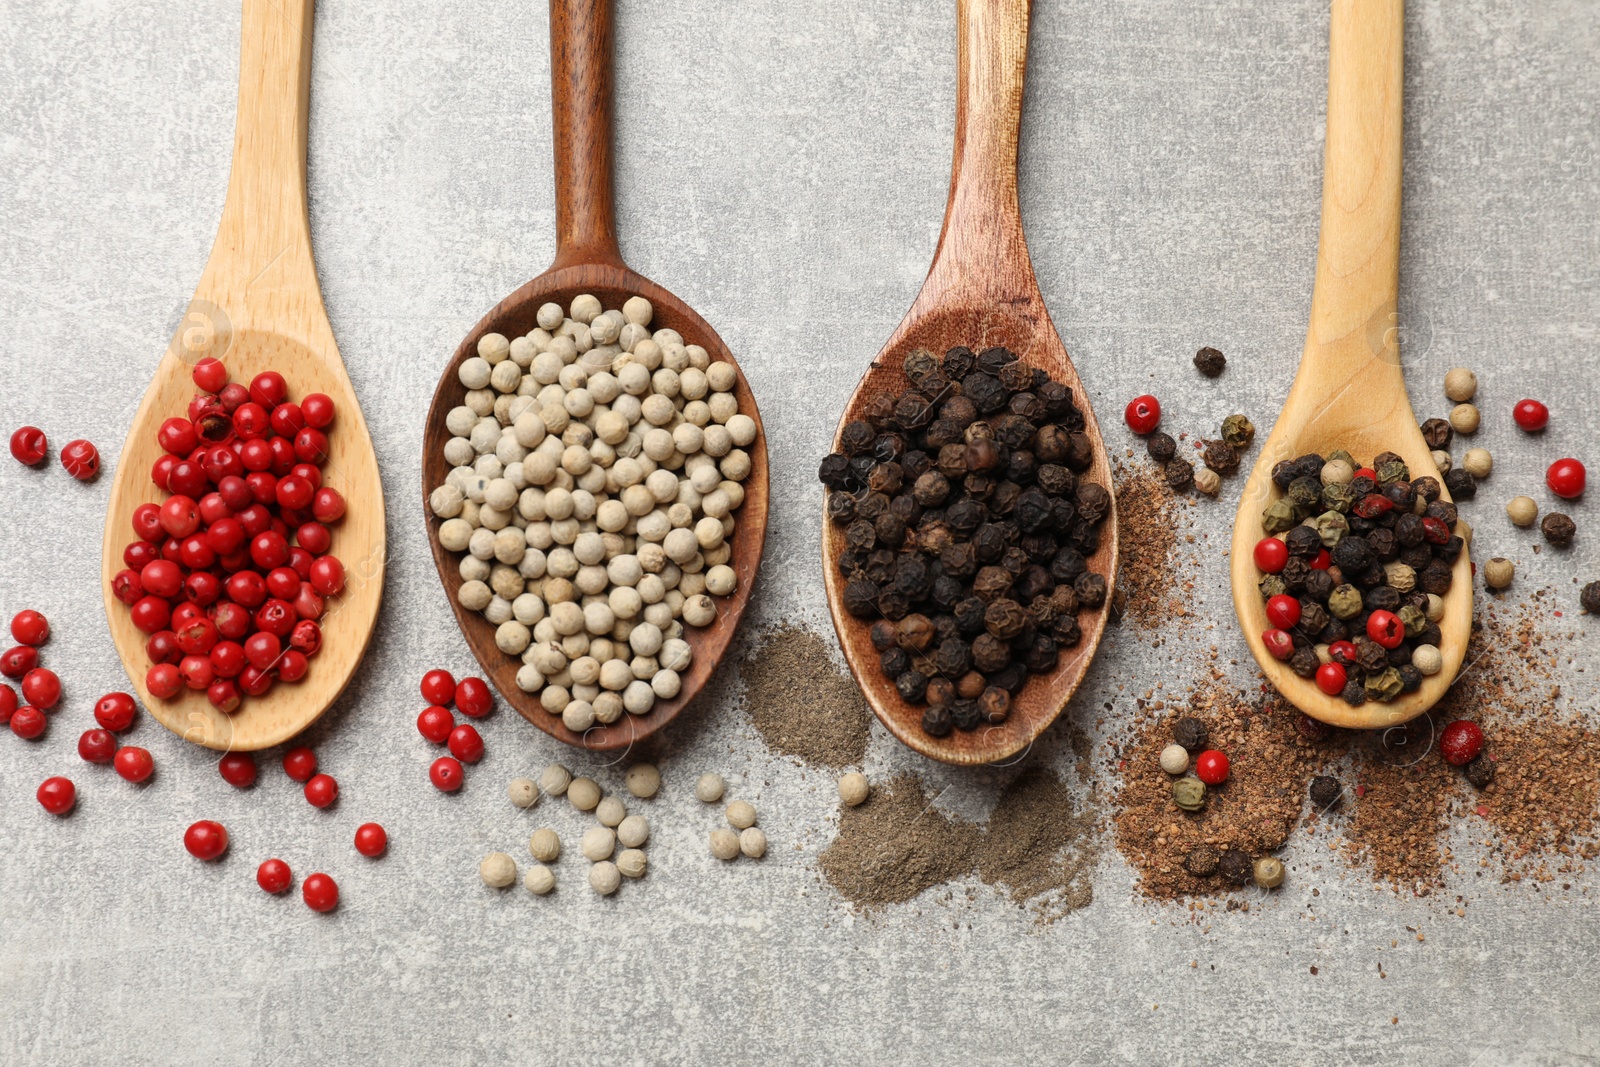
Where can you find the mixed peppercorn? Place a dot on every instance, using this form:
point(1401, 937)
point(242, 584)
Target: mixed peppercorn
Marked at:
point(1354, 569)
point(968, 524)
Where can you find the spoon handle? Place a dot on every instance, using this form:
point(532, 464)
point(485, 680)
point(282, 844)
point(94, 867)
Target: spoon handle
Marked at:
point(982, 251)
point(1354, 305)
point(580, 87)
point(264, 238)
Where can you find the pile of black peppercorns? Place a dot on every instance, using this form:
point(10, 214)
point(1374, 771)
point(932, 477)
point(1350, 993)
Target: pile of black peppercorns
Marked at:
point(967, 529)
point(1360, 541)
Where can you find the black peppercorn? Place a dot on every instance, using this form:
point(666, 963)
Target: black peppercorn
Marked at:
point(1179, 474)
point(912, 685)
point(1210, 362)
point(938, 721)
point(1354, 693)
point(1161, 447)
point(958, 362)
point(1220, 457)
point(1005, 619)
point(861, 599)
point(894, 662)
point(989, 653)
point(1304, 662)
point(1033, 583)
point(1325, 791)
point(883, 634)
point(1094, 502)
point(991, 584)
point(1042, 655)
point(1236, 867)
point(890, 529)
point(969, 615)
point(1011, 677)
point(953, 658)
point(893, 605)
point(1589, 598)
point(1191, 733)
point(1080, 451)
point(1480, 772)
point(1558, 529)
point(1461, 483)
point(994, 705)
point(1090, 589)
point(966, 715)
point(1066, 632)
point(1437, 433)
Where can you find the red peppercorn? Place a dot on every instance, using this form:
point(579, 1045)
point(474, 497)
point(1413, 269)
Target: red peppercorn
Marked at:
point(206, 839)
point(1386, 629)
point(306, 638)
point(292, 666)
point(180, 516)
point(1271, 555)
point(1366, 472)
point(300, 764)
point(474, 697)
point(30, 628)
point(465, 744)
point(1322, 561)
point(321, 790)
point(1331, 678)
point(164, 681)
point(1435, 531)
point(318, 409)
point(327, 505)
point(371, 840)
point(314, 537)
point(1343, 652)
point(8, 704)
point(133, 764)
point(1460, 742)
point(41, 688)
point(57, 795)
point(1531, 415)
point(320, 892)
point(327, 576)
point(1279, 644)
point(274, 876)
point(18, 661)
point(1211, 767)
point(238, 769)
point(311, 446)
point(435, 724)
point(1143, 414)
point(224, 695)
point(251, 422)
point(28, 722)
point(232, 396)
point(115, 711)
point(97, 746)
point(438, 687)
point(80, 459)
point(1283, 611)
point(1566, 478)
point(269, 389)
point(295, 493)
point(209, 374)
point(446, 774)
point(29, 445)
point(287, 419)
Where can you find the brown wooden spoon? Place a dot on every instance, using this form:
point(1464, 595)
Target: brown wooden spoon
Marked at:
point(589, 261)
point(258, 307)
point(980, 292)
point(1350, 391)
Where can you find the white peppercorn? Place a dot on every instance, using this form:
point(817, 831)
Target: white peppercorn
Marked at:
point(1427, 659)
point(666, 684)
point(611, 811)
point(597, 843)
point(523, 792)
point(604, 878)
point(1435, 610)
point(544, 845)
point(699, 610)
point(1522, 510)
point(853, 788)
point(633, 831)
point(753, 842)
point(1498, 572)
point(584, 793)
point(1441, 459)
point(1460, 384)
point(708, 788)
point(497, 870)
point(741, 814)
point(632, 863)
point(1464, 418)
point(1477, 462)
point(1208, 481)
point(642, 779)
point(539, 880)
point(555, 779)
point(724, 844)
point(1175, 759)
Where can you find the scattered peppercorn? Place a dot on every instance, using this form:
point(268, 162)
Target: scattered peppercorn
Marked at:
point(1480, 772)
point(1191, 733)
point(1210, 362)
point(1189, 793)
point(1460, 384)
point(1268, 872)
point(1498, 572)
point(1589, 598)
point(968, 531)
point(1236, 867)
point(1238, 432)
point(1558, 529)
point(1325, 791)
point(1522, 510)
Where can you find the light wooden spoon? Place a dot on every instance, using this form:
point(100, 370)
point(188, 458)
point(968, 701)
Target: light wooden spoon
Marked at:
point(980, 291)
point(258, 307)
point(1350, 391)
point(589, 261)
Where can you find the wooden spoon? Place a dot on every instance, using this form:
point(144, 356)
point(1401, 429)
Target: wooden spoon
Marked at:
point(1350, 391)
point(258, 307)
point(980, 292)
point(589, 261)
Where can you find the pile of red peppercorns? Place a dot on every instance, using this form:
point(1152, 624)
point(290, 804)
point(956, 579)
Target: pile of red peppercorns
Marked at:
point(473, 698)
point(228, 576)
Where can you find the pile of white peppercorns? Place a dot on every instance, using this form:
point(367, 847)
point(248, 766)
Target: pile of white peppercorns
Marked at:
point(596, 467)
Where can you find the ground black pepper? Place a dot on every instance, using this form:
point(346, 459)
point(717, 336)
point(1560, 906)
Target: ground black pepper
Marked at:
point(967, 523)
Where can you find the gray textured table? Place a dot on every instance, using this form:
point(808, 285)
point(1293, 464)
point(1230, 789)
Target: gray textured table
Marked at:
point(782, 166)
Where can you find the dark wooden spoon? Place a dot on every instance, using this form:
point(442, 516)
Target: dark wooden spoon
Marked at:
point(589, 261)
point(980, 291)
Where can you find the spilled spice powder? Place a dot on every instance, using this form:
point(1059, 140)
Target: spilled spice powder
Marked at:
point(802, 704)
point(1037, 844)
point(1398, 823)
point(1148, 521)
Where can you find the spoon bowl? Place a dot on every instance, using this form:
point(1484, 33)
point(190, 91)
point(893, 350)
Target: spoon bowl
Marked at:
point(589, 261)
point(1350, 391)
point(980, 292)
point(258, 307)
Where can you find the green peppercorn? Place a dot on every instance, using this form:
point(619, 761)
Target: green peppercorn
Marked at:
point(1268, 872)
point(1385, 685)
point(1392, 471)
point(1415, 619)
point(1278, 517)
point(1270, 585)
point(1238, 431)
point(1340, 453)
point(1338, 496)
point(1305, 494)
point(1344, 602)
point(1332, 527)
point(1189, 793)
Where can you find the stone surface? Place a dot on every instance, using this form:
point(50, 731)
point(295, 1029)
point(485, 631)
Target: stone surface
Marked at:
point(783, 167)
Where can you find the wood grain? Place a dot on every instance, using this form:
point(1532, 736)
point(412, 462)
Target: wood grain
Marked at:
point(588, 261)
point(980, 291)
point(1350, 390)
point(258, 307)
